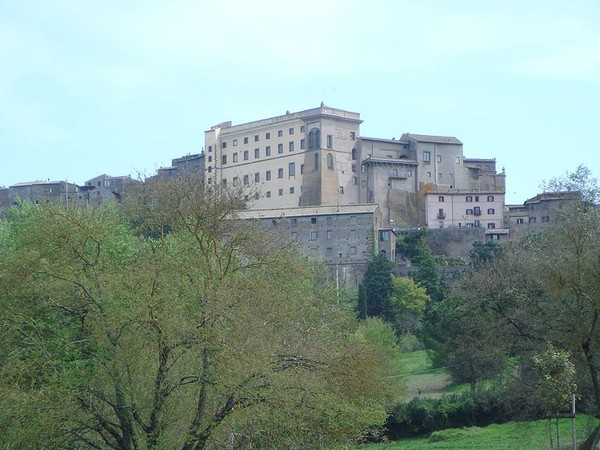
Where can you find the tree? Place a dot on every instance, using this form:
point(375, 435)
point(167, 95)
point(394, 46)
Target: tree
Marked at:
point(377, 286)
point(171, 324)
point(543, 290)
point(483, 253)
point(408, 302)
point(581, 180)
point(414, 246)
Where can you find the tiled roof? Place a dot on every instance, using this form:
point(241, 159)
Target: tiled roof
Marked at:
point(433, 139)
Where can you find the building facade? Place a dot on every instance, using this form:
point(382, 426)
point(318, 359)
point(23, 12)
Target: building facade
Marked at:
point(538, 212)
point(344, 237)
point(294, 160)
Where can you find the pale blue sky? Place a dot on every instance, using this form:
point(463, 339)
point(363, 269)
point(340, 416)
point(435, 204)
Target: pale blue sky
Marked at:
point(120, 87)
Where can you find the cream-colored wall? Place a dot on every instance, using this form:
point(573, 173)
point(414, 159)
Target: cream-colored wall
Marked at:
point(455, 206)
point(318, 185)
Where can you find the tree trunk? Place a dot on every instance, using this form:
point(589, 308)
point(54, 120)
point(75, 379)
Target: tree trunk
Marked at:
point(589, 357)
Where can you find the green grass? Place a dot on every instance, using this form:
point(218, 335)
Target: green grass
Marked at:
point(423, 380)
point(509, 436)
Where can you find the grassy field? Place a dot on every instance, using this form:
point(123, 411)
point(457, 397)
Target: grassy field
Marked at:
point(421, 379)
point(508, 436)
point(414, 369)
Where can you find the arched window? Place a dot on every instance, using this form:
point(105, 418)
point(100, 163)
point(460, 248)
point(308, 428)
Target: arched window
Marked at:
point(329, 161)
point(314, 138)
point(353, 153)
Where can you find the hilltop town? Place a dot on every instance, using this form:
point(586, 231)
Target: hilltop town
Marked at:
point(338, 194)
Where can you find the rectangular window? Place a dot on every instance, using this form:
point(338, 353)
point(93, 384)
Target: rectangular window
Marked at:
point(341, 189)
point(209, 160)
point(292, 190)
point(532, 220)
point(426, 157)
point(257, 153)
point(302, 144)
point(353, 135)
point(477, 198)
point(236, 181)
point(384, 235)
point(209, 148)
point(268, 175)
point(280, 148)
point(279, 133)
point(294, 235)
point(224, 159)
point(469, 212)
point(302, 129)
point(235, 157)
point(491, 225)
point(292, 169)
point(491, 211)
point(520, 221)
point(490, 198)
point(477, 211)
point(329, 251)
point(223, 144)
point(354, 181)
point(267, 135)
point(328, 220)
point(256, 138)
point(441, 214)
point(313, 235)
point(268, 150)
point(245, 140)
point(268, 194)
point(246, 179)
point(441, 198)
point(294, 222)
point(257, 177)
point(363, 184)
point(301, 168)
point(353, 220)
point(291, 146)
point(329, 234)
point(458, 160)
point(329, 141)
point(546, 219)
point(235, 142)
point(469, 198)
point(280, 192)
point(291, 131)
point(245, 155)
point(439, 158)
point(313, 220)
point(280, 173)
point(353, 168)
point(394, 172)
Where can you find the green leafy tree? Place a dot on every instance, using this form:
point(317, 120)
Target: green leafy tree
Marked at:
point(414, 246)
point(483, 253)
point(171, 324)
point(408, 302)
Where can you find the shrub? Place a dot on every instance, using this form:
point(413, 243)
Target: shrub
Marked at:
point(425, 415)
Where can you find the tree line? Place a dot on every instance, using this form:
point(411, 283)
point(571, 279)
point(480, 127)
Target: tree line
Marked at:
point(166, 322)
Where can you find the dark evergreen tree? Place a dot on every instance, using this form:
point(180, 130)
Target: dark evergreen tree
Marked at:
point(377, 286)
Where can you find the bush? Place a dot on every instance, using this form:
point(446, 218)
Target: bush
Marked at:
point(425, 415)
point(410, 343)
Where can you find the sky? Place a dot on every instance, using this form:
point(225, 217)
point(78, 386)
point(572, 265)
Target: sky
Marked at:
point(122, 87)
